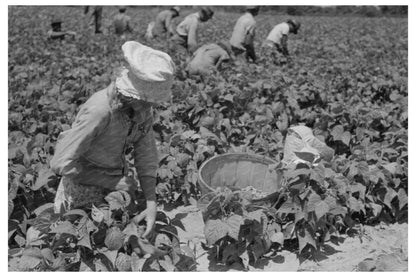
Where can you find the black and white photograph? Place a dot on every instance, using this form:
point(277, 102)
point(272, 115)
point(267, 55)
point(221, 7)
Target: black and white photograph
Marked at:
point(197, 137)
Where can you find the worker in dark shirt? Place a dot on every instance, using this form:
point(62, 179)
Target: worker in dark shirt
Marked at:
point(122, 22)
point(56, 30)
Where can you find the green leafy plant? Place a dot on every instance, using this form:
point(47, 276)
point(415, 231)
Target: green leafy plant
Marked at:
point(103, 239)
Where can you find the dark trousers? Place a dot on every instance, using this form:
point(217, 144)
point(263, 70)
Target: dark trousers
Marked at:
point(98, 15)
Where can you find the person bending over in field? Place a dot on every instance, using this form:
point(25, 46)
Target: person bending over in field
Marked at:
point(242, 38)
point(186, 31)
point(163, 23)
point(90, 156)
point(56, 30)
point(122, 22)
point(208, 58)
point(277, 38)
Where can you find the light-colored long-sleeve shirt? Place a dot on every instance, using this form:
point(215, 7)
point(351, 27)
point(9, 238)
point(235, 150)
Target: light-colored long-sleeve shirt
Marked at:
point(93, 149)
point(163, 23)
point(206, 58)
point(188, 27)
point(278, 32)
point(244, 31)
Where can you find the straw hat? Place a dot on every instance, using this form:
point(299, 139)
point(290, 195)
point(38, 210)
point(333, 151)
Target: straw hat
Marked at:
point(253, 8)
point(176, 9)
point(149, 75)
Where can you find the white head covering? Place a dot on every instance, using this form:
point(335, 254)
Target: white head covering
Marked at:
point(149, 76)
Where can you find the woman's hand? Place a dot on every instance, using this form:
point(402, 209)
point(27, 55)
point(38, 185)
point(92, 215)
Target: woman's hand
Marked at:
point(149, 215)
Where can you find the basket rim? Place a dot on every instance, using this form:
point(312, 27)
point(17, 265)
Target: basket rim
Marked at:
point(201, 180)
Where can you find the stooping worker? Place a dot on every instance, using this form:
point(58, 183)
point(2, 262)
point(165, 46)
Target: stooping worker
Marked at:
point(122, 22)
point(242, 38)
point(163, 23)
point(186, 31)
point(97, 13)
point(56, 30)
point(277, 38)
point(98, 16)
point(300, 139)
point(90, 156)
point(209, 58)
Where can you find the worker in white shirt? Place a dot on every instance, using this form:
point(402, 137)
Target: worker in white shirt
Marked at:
point(242, 38)
point(163, 23)
point(278, 36)
point(186, 32)
point(209, 58)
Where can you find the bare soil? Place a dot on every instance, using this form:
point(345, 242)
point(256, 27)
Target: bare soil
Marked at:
point(379, 248)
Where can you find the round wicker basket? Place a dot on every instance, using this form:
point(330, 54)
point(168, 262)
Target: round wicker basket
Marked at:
point(237, 171)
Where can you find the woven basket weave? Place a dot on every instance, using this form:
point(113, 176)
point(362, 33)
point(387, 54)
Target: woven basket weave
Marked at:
point(237, 171)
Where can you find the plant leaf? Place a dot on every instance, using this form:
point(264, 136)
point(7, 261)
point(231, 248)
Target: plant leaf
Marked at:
point(337, 132)
point(321, 209)
point(123, 262)
point(234, 222)
point(402, 198)
point(96, 214)
point(214, 230)
point(167, 264)
point(65, 227)
point(305, 237)
point(76, 212)
point(118, 199)
point(30, 259)
point(45, 207)
point(313, 201)
point(33, 237)
point(306, 156)
point(37, 141)
point(114, 239)
point(346, 137)
point(136, 262)
point(45, 176)
point(277, 237)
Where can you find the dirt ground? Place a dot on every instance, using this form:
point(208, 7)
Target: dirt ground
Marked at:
point(380, 248)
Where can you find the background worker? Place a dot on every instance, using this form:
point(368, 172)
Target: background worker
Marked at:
point(278, 36)
point(242, 38)
point(97, 13)
point(186, 31)
point(209, 57)
point(163, 23)
point(122, 22)
point(98, 16)
point(56, 30)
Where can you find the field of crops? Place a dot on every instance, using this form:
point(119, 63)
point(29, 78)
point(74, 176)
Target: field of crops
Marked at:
point(348, 81)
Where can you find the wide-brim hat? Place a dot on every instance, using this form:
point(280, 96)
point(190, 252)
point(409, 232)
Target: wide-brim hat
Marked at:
point(176, 9)
point(295, 24)
point(149, 75)
point(252, 8)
